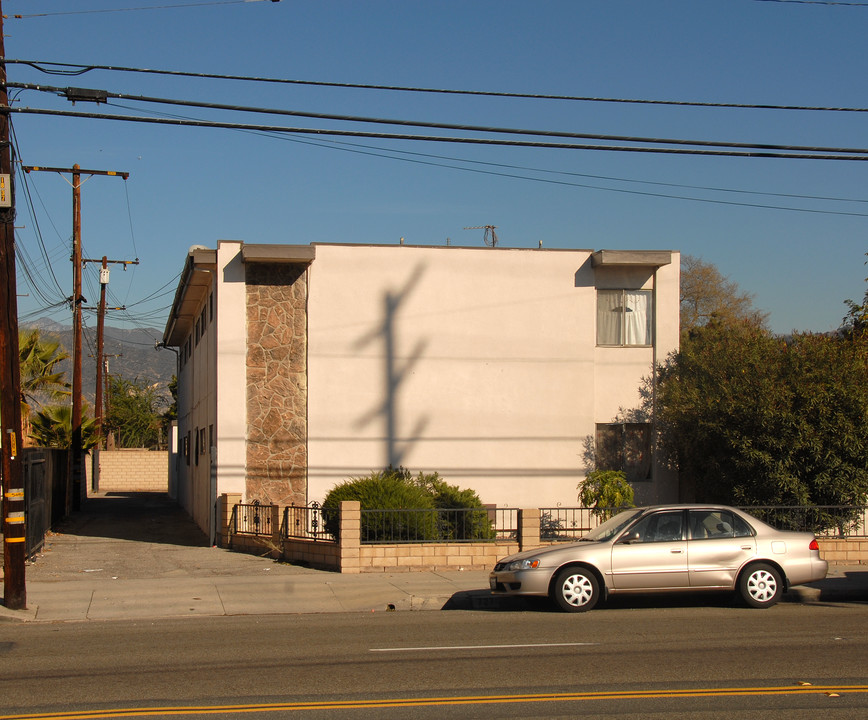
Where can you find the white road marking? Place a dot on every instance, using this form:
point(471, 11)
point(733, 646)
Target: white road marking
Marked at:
point(481, 647)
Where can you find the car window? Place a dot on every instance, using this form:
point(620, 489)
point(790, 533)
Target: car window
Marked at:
point(660, 527)
point(714, 524)
point(612, 526)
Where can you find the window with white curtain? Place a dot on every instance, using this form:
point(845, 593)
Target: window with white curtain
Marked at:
point(624, 317)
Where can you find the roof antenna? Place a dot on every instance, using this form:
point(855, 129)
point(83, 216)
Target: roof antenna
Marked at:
point(489, 237)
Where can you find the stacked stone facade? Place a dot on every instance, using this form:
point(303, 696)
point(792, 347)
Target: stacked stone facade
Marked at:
point(277, 384)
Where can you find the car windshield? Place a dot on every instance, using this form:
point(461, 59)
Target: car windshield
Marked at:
point(612, 526)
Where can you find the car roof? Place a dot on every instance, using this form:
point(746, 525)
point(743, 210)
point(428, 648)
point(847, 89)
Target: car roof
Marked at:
point(686, 506)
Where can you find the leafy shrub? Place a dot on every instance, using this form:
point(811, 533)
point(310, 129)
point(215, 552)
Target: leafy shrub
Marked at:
point(605, 491)
point(396, 489)
point(470, 520)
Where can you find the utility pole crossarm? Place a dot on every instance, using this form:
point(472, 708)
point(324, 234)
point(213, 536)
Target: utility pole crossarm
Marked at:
point(80, 171)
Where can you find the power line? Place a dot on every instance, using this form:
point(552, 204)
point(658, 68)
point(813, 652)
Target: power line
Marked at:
point(832, 154)
point(82, 69)
point(390, 153)
point(816, 2)
point(135, 9)
point(33, 215)
point(75, 94)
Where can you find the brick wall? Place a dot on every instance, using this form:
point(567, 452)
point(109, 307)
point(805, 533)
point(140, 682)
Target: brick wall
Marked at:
point(134, 471)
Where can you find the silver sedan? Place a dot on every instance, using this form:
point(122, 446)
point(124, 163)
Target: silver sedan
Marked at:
point(671, 548)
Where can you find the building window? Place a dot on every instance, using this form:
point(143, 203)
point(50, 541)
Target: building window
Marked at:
point(624, 317)
point(625, 447)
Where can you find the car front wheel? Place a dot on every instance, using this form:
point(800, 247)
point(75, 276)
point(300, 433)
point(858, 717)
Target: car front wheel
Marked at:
point(575, 590)
point(760, 585)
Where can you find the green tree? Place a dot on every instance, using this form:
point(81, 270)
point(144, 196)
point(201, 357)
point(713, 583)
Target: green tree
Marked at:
point(133, 412)
point(605, 491)
point(51, 427)
point(751, 419)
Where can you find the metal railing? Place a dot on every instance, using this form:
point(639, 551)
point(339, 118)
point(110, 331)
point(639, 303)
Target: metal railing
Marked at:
point(565, 524)
point(828, 521)
point(252, 519)
point(438, 525)
point(559, 524)
point(306, 522)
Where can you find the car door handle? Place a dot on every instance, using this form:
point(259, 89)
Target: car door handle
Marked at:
point(747, 547)
point(676, 551)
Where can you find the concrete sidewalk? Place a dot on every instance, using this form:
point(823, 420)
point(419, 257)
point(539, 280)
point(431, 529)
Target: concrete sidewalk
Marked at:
point(139, 556)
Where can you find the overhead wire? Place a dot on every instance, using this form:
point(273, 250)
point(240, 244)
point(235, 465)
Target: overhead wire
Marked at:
point(70, 93)
point(330, 142)
point(390, 153)
point(83, 69)
point(174, 6)
point(832, 155)
point(29, 198)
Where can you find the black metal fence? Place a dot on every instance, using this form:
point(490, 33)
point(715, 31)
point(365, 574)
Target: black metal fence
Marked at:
point(827, 521)
point(438, 525)
point(560, 523)
point(838, 521)
point(305, 522)
point(313, 522)
point(252, 519)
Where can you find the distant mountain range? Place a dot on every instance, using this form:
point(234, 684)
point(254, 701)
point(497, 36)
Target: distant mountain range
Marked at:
point(130, 353)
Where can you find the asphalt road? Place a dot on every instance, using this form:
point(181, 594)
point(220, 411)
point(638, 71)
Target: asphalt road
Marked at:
point(673, 660)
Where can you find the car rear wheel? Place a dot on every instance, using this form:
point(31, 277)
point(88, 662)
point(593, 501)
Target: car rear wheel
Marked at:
point(760, 585)
point(575, 590)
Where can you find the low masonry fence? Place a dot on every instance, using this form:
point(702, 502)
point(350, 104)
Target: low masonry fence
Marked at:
point(352, 540)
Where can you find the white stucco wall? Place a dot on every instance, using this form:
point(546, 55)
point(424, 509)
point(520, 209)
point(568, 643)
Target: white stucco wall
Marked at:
point(480, 364)
point(231, 362)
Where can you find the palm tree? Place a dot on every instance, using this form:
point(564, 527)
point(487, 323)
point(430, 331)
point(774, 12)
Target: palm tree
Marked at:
point(40, 380)
point(52, 427)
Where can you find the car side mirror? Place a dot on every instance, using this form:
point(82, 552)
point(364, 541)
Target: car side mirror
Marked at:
point(629, 537)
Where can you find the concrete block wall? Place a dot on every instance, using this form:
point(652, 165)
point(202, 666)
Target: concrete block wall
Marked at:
point(433, 556)
point(134, 470)
point(852, 551)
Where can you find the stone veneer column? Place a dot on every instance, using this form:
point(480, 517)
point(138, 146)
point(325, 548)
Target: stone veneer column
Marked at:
point(277, 383)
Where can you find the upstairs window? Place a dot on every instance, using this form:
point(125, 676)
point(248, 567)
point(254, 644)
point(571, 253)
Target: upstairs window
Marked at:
point(624, 317)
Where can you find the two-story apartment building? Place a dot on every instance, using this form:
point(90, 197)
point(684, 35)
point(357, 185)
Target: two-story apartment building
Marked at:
point(502, 369)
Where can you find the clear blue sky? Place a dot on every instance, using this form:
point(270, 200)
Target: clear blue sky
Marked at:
point(197, 185)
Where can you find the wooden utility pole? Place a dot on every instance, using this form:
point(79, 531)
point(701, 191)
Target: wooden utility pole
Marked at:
point(14, 536)
point(98, 411)
point(100, 345)
point(77, 299)
point(76, 451)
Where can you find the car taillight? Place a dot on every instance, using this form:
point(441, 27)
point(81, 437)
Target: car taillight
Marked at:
point(814, 545)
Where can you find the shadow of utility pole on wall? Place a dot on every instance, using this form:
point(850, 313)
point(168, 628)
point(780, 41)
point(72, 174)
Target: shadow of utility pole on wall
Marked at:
point(397, 367)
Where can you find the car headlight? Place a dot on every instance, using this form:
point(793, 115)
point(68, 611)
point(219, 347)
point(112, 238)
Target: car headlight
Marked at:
point(528, 564)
